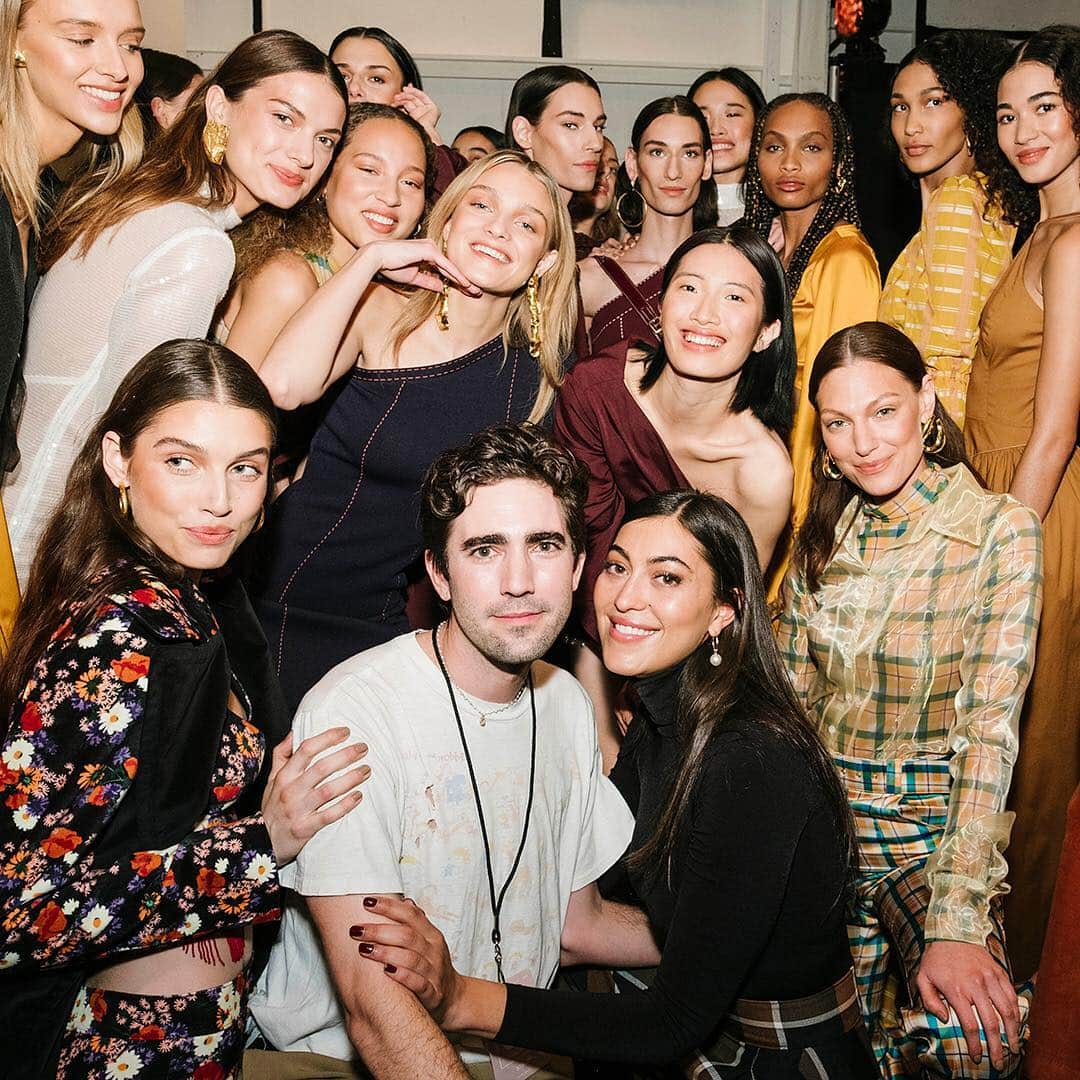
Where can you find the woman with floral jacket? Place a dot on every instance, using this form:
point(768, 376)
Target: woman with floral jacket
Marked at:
point(142, 813)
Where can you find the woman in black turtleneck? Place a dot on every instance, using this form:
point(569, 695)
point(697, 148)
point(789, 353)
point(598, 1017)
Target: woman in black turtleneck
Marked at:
point(739, 864)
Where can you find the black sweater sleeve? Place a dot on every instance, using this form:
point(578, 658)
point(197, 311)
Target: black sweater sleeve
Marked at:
point(748, 814)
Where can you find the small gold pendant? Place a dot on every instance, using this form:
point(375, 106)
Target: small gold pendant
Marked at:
point(483, 720)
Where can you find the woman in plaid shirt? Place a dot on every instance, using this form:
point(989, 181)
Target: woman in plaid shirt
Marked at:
point(909, 630)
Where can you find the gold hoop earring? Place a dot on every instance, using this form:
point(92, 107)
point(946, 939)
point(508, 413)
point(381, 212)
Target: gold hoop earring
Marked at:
point(536, 317)
point(933, 435)
point(829, 469)
point(261, 520)
point(19, 59)
point(125, 505)
point(215, 140)
point(442, 316)
point(632, 224)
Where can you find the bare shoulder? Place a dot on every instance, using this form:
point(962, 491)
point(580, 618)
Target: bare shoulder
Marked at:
point(764, 474)
point(286, 276)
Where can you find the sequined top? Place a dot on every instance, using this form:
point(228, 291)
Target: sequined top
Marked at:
point(918, 644)
point(939, 283)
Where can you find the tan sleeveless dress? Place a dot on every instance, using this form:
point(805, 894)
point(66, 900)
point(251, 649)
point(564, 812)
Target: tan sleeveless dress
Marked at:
point(1000, 413)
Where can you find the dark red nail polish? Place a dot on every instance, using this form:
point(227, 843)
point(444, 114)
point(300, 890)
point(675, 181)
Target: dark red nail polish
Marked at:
point(389, 969)
point(356, 931)
point(370, 901)
point(367, 948)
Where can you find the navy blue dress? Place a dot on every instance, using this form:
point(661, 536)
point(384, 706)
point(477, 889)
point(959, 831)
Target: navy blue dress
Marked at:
point(343, 541)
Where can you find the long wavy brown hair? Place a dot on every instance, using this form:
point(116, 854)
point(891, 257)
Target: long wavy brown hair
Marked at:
point(87, 541)
point(176, 168)
point(816, 541)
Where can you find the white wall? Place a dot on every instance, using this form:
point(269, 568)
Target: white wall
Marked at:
point(471, 51)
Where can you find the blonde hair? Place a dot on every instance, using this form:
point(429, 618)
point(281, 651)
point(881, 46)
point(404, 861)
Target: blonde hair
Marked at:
point(19, 166)
point(176, 168)
point(557, 293)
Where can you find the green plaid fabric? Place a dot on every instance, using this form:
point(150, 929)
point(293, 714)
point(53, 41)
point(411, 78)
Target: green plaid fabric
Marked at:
point(918, 646)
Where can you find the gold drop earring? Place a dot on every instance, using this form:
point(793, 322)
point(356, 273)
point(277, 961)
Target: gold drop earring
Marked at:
point(442, 316)
point(215, 140)
point(536, 317)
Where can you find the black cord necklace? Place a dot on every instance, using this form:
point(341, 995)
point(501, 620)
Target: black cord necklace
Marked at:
point(496, 902)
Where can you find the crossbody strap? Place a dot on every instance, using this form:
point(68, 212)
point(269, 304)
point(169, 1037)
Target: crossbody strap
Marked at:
point(638, 300)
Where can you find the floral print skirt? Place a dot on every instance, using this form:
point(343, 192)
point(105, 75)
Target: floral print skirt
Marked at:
point(113, 1036)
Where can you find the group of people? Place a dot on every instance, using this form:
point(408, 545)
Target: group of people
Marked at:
point(494, 610)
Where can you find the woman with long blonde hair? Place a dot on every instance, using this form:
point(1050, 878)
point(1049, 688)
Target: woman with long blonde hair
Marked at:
point(482, 338)
point(54, 88)
point(138, 262)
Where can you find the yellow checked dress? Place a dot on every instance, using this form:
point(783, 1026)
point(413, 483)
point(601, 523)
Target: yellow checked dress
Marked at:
point(939, 283)
point(1001, 408)
point(840, 286)
point(912, 657)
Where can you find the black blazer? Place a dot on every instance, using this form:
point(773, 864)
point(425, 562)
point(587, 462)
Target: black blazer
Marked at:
point(16, 289)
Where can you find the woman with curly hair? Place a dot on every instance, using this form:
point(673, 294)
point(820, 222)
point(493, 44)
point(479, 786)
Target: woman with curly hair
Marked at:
point(942, 121)
point(1023, 409)
point(802, 171)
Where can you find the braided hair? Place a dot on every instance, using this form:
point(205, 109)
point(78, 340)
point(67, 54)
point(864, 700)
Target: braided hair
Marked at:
point(839, 203)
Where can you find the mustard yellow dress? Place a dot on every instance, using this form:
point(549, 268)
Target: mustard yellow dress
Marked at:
point(841, 286)
point(9, 586)
point(1000, 417)
point(940, 282)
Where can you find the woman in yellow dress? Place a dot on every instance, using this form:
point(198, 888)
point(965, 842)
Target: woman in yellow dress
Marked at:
point(800, 186)
point(1023, 409)
point(942, 121)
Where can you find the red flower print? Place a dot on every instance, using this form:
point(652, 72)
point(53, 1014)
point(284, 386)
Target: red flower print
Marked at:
point(209, 1070)
point(209, 882)
point(98, 1006)
point(31, 717)
point(131, 666)
point(169, 880)
point(149, 1033)
point(227, 792)
point(145, 862)
point(16, 799)
point(8, 776)
point(50, 922)
point(145, 596)
point(130, 766)
point(97, 797)
point(59, 842)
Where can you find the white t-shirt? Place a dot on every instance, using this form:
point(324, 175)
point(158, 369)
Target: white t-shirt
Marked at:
point(417, 832)
point(729, 203)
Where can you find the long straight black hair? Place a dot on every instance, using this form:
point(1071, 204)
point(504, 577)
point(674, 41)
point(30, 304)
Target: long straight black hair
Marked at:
point(679, 105)
point(530, 94)
point(750, 682)
point(745, 84)
point(767, 381)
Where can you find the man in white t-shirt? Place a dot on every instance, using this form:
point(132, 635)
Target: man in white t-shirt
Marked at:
point(486, 804)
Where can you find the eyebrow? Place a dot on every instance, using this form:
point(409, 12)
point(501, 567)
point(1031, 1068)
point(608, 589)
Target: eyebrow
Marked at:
point(805, 135)
point(701, 277)
point(172, 440)
point(661, 142)
point(666, 559)
point(926, 90)
point(89, 24)
point(601, 119)
point(489, 540)
point(528, 206)
point(297, 112)
point(1034, 97)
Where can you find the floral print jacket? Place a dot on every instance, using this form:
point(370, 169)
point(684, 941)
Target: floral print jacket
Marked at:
point(69, 760)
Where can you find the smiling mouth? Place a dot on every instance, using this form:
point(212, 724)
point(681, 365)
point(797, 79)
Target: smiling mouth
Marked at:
point(629, 631)
point(375, 218)
point(1029, 157)
point(872, 467)
point(708, 341)
point(491, 253)
point(106, 97)
point(723, 146)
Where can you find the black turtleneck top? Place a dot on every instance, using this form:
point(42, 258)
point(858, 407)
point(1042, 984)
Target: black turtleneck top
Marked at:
point(752, 908)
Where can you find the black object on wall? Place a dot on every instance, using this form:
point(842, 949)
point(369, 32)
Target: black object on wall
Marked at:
point(256, 16)
point(551, 31)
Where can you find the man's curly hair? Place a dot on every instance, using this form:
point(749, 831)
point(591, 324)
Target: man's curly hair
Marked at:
point(968, 64)
point(1058, 48)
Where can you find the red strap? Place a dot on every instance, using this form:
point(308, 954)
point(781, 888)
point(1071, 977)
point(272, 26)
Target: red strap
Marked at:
point(638, 300)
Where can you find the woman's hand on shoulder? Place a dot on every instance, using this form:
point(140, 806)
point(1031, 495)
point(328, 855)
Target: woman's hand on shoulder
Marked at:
point(299, 799)
point(413, 262)
point(966, 978)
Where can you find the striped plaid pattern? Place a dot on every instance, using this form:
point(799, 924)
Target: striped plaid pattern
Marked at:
point(901, 810)
point(917, 647)
point(939, 283)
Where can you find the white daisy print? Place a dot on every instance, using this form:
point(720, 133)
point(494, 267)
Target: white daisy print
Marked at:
point(229, 1003)
point(191, 925)
point(88, 641)
point(259, 868)
point(114, 720)
point(19, 754)
point(81, 1016)
point(95, 920)
point(37, 888)
point(9, 959)
point(222, 866)
point(24, 819)
point(205, 1045)
point(70, 907)
point(127, 1064)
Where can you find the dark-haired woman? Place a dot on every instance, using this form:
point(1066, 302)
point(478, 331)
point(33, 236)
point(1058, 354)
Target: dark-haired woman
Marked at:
point(377, 189)
point(478, 141)
point(912, 611)
point(167, 86)
point(942, 110)
point(144, 816)
point(669, 164)
point(738, 870)
point(731, 101)
point(45, 114)
point(802, 169)
point(1023, 413)
point(709, 407)
point(376, 67)
point(147, 258)
point(593, 214)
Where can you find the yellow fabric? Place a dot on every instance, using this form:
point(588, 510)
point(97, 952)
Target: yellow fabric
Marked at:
point(9, 586)
point(939, 283)
point(841, 286)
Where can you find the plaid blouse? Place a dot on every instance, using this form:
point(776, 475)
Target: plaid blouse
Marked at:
point(918, 644)
point(939, 283)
